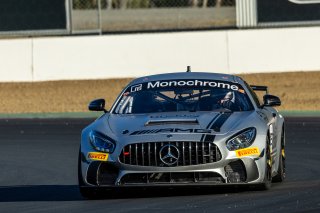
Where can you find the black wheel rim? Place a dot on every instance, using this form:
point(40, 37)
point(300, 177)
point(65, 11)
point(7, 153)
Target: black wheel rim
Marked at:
point(269, 161)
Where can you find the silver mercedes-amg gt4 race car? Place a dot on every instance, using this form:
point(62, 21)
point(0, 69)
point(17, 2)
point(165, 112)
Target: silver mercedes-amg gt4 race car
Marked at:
point(184, 129)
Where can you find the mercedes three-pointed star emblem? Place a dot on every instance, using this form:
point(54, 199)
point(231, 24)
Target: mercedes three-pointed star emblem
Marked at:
point(169, 154)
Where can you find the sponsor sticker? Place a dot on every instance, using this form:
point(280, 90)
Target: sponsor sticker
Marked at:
point(247, 152)
point(136, 88)
point(168, 130)
point(185, 83)
point(192, 83)
point(98, 156)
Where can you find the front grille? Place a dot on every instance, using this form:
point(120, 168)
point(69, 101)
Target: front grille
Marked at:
point(171, 178)
point(190, 153)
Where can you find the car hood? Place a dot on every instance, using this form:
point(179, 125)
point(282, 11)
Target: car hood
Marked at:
point(189, 122)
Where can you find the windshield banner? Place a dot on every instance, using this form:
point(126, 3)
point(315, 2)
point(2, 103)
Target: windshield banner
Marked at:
point(187, 83)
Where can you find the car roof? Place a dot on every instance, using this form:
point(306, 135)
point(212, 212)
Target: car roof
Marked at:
point(188, 75)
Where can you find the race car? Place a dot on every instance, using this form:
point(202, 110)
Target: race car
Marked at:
point(183, 129)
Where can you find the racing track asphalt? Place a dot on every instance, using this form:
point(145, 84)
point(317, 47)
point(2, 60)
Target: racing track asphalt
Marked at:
point(38, 161)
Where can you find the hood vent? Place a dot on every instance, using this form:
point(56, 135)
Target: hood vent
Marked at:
point(172, 121)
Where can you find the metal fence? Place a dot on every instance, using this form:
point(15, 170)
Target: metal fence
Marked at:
point(277, 13)
point(144, 15)
point(34, 17)
point(47, 17)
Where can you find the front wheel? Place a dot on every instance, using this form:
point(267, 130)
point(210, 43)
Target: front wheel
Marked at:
point(268, 166)
point(282, 163)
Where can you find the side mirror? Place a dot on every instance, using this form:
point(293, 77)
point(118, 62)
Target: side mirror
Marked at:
point(97, 105)
point(271, 100)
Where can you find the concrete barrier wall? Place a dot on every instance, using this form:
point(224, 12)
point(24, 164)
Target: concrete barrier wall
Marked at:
point(16, 60)
point(114, 56)
point(128, 55)
point(274, 50)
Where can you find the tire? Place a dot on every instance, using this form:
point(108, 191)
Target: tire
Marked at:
point(282, 164)
point(268, 166)
point(88, 193)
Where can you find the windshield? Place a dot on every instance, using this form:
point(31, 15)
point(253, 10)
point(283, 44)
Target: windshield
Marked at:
point(183, 95)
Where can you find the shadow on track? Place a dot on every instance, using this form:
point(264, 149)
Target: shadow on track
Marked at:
point(154, 192)
point(39, 193)
point(71, 192)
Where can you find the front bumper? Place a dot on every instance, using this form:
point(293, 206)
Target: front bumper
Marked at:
point(224, 172)
point(225, 168)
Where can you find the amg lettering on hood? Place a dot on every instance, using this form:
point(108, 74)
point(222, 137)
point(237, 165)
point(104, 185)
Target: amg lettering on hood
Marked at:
point(188, 83)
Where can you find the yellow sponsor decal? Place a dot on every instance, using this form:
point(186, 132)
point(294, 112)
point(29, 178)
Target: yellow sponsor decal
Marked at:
point(247, 152)
point(98, 156)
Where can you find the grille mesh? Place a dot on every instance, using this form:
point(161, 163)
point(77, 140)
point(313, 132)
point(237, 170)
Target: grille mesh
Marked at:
point(190, 153)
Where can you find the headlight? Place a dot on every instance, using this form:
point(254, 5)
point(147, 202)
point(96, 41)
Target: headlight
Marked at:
point(242, 140)
point(101, 142)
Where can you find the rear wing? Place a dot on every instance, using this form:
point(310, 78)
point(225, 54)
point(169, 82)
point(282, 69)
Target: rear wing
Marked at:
point(259, 88)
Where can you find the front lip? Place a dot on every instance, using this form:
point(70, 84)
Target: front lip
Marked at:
point(161, 185)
